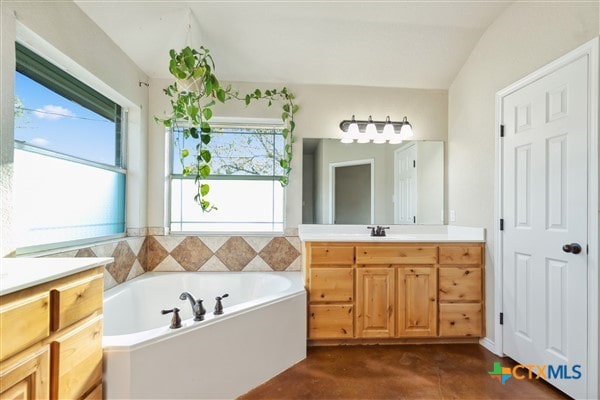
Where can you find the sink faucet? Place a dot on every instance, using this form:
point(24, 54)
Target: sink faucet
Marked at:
point(378, 231)
point(197, 307)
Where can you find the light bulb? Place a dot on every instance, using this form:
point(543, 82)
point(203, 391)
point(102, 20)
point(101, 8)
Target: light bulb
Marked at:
point(371, 130)
point(406, 130)
point(388, 130)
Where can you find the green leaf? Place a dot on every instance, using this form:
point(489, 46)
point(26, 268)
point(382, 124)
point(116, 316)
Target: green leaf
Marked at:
point(284, 180)
point(192, 111)
point(210, 103)
point(207, 112)
point(247, 99)
point(186, 170)
point(292, 126)
point(206, 156)
point(194, 133)
point(286, 108)
point(285, 132)
point(284, 116)
point(221, 95)
point(268, 92)
point(295, 108)
point(205, 139)
point(214, 81)
point(205, 127)
point(198, 72)
point(204, 189)
point(185, 153)
point(172, 53)
point(167, 123)
point(257, 93)
point(208, 86)
point(283, 163)
point(204, 170)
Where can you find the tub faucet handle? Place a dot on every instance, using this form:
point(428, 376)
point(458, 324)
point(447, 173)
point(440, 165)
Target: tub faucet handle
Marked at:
point(176, 320)
point(219, 305)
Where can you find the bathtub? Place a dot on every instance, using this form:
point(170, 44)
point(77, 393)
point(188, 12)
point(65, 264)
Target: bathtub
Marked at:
point(261, 333)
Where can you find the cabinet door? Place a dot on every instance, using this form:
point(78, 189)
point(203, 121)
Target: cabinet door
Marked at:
point(417, 301)
point(461, 320)
point(26, 377)
point(375, 302)
point(460, 284)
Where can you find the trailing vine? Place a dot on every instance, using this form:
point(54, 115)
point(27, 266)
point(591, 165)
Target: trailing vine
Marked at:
point(193, 96)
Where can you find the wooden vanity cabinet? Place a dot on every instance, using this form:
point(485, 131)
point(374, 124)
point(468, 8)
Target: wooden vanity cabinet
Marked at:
point(461, 305)
point(330, 283)
point(51, 339)
point(394, 290)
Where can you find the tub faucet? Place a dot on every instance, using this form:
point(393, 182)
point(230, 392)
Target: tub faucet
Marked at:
point(197, 307)
point(219, 305)
point(176, 320)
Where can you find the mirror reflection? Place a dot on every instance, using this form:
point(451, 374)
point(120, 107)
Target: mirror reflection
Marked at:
point(372, 183)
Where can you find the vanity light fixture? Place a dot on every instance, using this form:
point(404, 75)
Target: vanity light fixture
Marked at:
point(365, 131)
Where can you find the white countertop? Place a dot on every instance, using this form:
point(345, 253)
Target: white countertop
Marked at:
point(396, 233)
point(21, 273)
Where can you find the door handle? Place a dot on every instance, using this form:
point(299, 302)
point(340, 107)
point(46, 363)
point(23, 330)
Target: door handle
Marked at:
point(574, 248)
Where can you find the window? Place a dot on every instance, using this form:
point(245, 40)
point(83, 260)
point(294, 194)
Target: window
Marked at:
point(69, 181)
point(244, 182)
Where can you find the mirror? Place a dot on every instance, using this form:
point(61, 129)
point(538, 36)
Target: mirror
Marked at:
point(372, 183)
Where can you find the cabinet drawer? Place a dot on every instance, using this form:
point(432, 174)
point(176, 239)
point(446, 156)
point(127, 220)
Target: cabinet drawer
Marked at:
point(330, 321)
point(27, 376)
point(396, 255)
point(460, 284)
point(77, 360)
point(24, 321)
point(331, 284)
point(332, 255)
point(76, 300)
point(461, 255)
point(460, 319)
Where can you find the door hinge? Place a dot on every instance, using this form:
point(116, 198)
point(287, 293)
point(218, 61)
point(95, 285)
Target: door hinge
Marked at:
point(501, 318)
point(414, 220)
point(587, 249)
point(414, 163)
point(501, 130)
point(501, 224)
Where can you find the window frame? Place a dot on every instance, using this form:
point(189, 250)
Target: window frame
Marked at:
point(65, 84)
point(251, 123)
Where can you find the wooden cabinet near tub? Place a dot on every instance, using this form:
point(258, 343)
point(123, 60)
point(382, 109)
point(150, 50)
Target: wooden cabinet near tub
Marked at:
point(386, 292)
point(51, 339)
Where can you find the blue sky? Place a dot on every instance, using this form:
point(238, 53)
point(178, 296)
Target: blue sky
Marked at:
point(56, 123)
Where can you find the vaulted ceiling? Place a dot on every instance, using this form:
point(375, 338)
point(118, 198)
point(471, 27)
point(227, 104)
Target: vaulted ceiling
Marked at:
point(414, 44)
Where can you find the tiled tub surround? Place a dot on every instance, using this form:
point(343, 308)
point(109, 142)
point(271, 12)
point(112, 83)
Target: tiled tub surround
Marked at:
point(135, 255)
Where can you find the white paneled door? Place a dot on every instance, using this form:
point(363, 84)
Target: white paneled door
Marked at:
point(405, 209)
point(544, 208)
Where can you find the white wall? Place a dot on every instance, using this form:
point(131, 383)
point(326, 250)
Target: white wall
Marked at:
point(525, 37)
point(63, 34)
point(322, 107)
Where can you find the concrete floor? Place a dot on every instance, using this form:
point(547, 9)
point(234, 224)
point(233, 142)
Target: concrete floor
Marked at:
point(457, 371)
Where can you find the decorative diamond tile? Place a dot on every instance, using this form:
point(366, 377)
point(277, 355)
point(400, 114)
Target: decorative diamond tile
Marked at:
point(236, 253)
point(85, 252)
point(191, 253)
point(124, 259)
point(257, 264)
point(257, 242)
point(109, 281)
point(214, 243)
point(136, 244)
point(279, 253)
point(169, 242)
point(296, 265)
point(169, 265)
point(152, 253)
point(136, 270)
point(296, 242)
point(105, 249)
point(214, 265)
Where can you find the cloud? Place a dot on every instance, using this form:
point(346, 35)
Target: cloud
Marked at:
point(38, 141)
point(52, 113)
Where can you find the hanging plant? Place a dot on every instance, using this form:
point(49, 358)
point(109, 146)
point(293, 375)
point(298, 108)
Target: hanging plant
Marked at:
point(193, 95)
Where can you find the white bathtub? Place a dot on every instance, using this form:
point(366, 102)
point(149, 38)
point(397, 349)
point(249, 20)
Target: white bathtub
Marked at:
point(261, 333)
